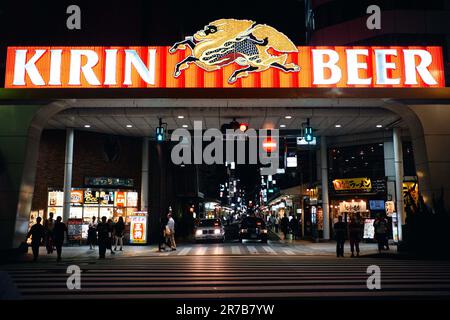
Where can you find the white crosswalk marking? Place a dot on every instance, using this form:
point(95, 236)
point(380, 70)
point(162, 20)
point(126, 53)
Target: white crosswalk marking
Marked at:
point(201, 251)
point(185, 251)
point(251, 276)
point(269, 249)
point(218, 250)
point(252, 249)
point(287, 251)
point(235, 250)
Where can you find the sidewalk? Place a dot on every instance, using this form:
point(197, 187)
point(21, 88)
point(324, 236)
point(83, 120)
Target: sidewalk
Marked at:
point(82, 254)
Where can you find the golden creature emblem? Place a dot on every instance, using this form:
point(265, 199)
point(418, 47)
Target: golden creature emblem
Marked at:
point(244, 42)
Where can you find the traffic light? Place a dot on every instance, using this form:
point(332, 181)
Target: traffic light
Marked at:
point(160, 134)
point(243, 127)
point(308, 134)
point(160, 131)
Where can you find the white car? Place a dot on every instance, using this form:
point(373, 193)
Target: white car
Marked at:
point(210, 229)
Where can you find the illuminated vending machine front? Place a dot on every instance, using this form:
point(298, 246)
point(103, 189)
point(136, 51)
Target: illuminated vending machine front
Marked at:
point(138, 228)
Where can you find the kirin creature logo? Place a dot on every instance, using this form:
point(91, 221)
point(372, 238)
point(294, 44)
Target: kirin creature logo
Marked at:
point(225, 41)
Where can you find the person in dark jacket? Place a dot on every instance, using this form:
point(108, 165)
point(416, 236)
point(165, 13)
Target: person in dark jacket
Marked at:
point(284, 226)
point(162, 234)
point(111, 235)
point(92, 233)
point(103, 237)
point(355, 230)
point(37, 233)
point(294, 227)
point(59, 231)
point(49, 224)
point(381, 228)
point(339, 234)
point(119, 228)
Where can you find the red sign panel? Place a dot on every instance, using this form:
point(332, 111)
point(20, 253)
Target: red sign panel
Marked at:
point(160, 67)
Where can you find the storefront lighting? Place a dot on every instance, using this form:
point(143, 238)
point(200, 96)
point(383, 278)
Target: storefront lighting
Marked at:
point(282, 126)
point(87, 125)
point(379, 126)
point(288, 117)
point(180, 117)
point(338, 125)
point(129, 126)
point(185, 126)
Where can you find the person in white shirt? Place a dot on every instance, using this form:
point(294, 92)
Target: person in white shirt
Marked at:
point(170, 231)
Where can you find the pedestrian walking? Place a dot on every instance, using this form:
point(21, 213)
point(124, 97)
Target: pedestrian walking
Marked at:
point(37, 234)
point(49, 224)
point(277, 224)
point(162, 234)
point(59, 231)
point(92, 233)
point(339, 234)
point(110, 236)
point(293, 224)
point(284, 226)
point(381, 229)
point(119, 228)
point(170, 231)
point(355, 230)
point(103, 237)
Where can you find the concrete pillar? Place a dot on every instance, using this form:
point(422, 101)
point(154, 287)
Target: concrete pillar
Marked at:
point(144, 174)
point(389, 169)
point(325, 202)
point(398, 163)
point(68, 164)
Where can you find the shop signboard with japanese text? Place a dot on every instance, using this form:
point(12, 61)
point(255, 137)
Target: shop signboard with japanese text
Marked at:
point(138, 229)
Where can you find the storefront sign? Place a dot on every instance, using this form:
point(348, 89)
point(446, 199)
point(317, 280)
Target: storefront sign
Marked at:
point(108, 182)
point(390, 208)
point(55, 198)
point(119, 199)
point(352, 206)
point(352, 184)
point(369, 230)
point(132, 199)
point(91, 197)
point(138, 229)
point(74, 229)
point(274, 65)
point(76, 197)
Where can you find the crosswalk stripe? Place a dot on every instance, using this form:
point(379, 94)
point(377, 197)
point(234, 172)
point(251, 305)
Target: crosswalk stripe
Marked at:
point(174, 276)
point(218, 250)
point(185, 251)
point(200, 251)
point(289, 252)
point(252, 249)
point(235, 250)
point(269, 249)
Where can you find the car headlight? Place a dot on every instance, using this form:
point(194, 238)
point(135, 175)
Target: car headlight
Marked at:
point(198, 232)
point(243, 230)
point(216, 231)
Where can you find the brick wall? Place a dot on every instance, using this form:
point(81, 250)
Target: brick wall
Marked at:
point(95, 154)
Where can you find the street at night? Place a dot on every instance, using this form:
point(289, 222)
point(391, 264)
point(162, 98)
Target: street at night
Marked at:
point(204, 159)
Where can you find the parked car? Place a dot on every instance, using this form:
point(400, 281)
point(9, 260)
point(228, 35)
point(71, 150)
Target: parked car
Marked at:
point(253, 228)
point(210, 229)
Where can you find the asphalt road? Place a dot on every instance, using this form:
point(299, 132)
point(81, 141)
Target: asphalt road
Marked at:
point(232, 276)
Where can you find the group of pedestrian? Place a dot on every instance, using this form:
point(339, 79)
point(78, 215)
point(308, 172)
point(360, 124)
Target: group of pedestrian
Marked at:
point(52, 233)
point(355, 234)
point(105, 234)
point(355, 230)
point(167, 233)
point(289, 226)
